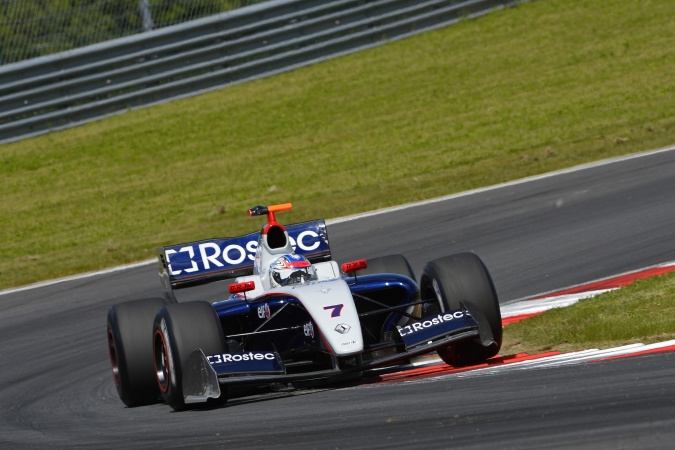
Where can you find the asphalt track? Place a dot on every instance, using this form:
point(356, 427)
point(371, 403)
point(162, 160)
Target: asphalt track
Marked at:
point(542, 235)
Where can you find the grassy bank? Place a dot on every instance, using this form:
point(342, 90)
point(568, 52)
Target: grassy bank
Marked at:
point(534, 88)
point(642, 312)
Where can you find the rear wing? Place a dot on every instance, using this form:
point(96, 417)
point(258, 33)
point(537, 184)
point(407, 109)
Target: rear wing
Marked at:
point(201, 262)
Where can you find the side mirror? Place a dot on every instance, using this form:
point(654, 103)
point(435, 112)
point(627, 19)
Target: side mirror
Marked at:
point(246, 286)
point(353, 266)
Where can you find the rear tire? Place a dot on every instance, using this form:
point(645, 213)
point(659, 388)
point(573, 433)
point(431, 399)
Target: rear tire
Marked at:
point(464, 278)
point(179, 329)
point(130, 349)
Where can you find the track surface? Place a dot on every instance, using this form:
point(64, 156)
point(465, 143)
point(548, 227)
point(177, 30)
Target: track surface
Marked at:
point(56, 388)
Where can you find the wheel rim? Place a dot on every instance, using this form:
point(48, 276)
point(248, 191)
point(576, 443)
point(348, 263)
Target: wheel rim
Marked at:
point(437, 291)
point(161, 362)
point(114, 361)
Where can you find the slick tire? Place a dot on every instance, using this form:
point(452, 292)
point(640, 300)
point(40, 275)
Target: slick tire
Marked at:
point(178, 330)
point(464, 278)
point(397, 264)
point(130, 349)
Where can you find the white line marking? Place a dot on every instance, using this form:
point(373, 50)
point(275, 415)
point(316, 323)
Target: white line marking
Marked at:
point(546, 362)
point(566, 359)
point(543, 304)
point(537, 303)
point(77, 277)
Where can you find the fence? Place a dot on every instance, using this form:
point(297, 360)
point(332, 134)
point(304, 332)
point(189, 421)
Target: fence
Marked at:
point(33, 28)
point(71, 88)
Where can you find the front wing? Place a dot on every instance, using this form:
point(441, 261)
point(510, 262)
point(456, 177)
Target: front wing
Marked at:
point(204, 374)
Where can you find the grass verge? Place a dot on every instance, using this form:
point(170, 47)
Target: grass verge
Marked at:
point(641, 312)
point(530, 89)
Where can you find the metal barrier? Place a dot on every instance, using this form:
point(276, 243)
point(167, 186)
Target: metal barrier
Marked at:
point(71, 88)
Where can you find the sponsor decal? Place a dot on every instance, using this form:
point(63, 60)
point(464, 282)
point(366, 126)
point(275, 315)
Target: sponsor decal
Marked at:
point(343, 328)
point(430, 322)
point(264, 311)
point(226, 253)
point(210, 254)
point(308, 329)
point(336, 310)
point(325, 290)
point(246, 362)
point(225, 358)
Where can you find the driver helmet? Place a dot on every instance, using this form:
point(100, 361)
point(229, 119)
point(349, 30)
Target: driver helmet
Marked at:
point(291, 269)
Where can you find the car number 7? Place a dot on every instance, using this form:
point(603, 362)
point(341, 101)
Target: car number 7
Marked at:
point(336, 309)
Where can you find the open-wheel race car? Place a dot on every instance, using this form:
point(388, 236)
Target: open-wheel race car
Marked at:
point(294, 315)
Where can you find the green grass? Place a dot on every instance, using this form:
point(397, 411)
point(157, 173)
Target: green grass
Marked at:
point(642, 312)
point(542, 86)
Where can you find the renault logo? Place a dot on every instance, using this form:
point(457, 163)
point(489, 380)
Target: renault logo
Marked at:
point(343, 328)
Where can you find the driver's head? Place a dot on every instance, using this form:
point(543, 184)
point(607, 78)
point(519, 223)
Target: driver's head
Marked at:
point(291, 269)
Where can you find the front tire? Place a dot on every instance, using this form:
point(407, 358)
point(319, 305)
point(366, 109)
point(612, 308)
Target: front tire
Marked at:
point(463, 278)
point(179, 329)
point(130, 349)
point(397, 264)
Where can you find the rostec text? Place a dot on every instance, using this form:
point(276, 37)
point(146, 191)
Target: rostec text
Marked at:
point(239, 357)
point(210, 255)
point(419, 326)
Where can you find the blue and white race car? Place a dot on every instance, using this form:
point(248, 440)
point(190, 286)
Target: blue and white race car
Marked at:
point(293, 314)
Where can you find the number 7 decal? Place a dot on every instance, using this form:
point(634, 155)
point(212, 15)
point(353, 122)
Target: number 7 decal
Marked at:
point(336, 309)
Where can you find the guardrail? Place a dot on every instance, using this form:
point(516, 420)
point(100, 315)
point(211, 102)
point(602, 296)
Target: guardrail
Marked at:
point(71, 88)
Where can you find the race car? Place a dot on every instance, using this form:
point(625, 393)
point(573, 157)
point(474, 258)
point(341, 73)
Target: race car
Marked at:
point(292, 315)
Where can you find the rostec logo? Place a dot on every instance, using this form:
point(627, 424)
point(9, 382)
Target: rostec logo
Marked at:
point(419, 326)
point(264, 311)
point(343, 328)
point(212, 256)
point(237, 357)
point(308, 329)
